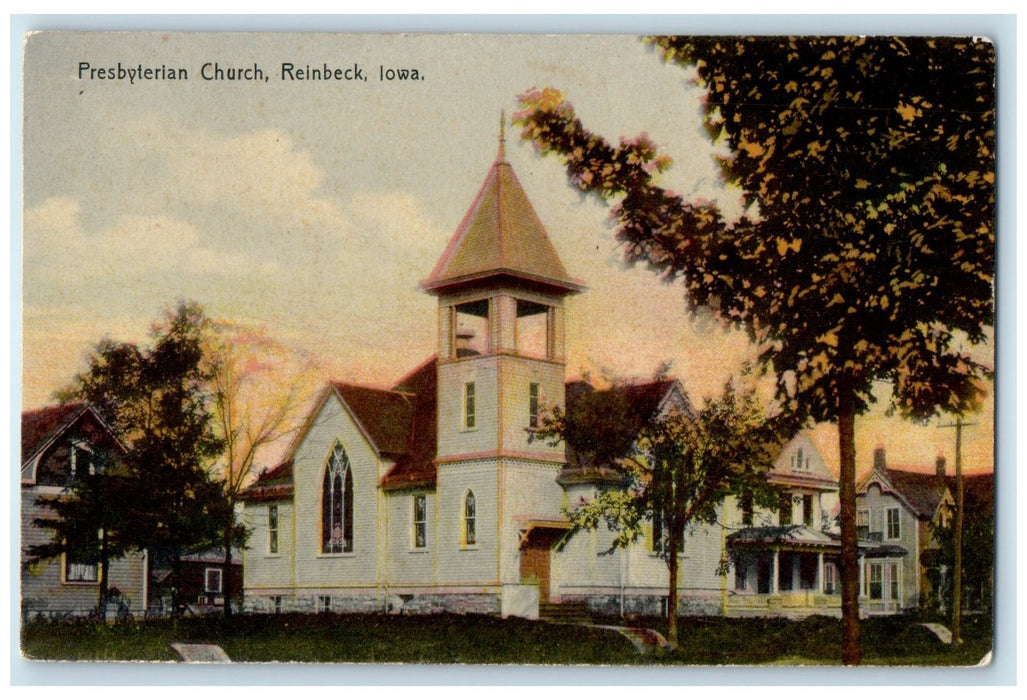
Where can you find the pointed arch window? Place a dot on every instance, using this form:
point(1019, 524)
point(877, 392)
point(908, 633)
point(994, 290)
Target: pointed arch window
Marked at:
point(470, 519)
point(337, 504)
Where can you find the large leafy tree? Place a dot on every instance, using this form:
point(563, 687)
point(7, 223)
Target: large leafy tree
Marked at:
point(867, 250)
point(256, 385)
point(158, 400)
point(675, 468)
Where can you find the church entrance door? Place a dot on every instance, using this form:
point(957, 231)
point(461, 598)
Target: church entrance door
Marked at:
point(536, 559)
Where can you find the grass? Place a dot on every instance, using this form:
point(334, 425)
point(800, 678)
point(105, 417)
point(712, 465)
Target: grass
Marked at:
point(479, 639)
point(885, 641)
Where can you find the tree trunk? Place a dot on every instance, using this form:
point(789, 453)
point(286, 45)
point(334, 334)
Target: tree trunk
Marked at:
point(957, 544)
point(101, 602)
point(847, 495)
point(176, 596)
point(226, 572)
point(673, 545)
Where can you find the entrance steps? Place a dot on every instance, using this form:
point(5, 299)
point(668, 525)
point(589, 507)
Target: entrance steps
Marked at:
point(576, 613)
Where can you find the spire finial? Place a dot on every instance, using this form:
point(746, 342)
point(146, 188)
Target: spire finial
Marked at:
point(501, 158)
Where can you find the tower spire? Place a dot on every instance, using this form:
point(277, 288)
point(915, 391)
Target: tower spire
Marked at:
point(501, 157)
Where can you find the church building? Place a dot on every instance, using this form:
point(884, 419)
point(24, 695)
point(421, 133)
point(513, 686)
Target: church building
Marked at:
point(432, 496)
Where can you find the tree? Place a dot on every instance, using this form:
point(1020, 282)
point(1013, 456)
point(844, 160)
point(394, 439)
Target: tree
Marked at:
point(158, 401)
point(90, 524)
point(867, 250)
point(251, 411)
point(978, 544)
point(676, 468)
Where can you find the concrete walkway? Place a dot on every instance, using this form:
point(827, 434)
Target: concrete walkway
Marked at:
point(647, 641)
point(940, 631)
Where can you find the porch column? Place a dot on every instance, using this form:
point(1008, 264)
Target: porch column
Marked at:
point(860, 577)
point(820, 573)
point(773, 571)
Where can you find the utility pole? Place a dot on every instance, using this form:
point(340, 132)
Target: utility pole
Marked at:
point(957, 538)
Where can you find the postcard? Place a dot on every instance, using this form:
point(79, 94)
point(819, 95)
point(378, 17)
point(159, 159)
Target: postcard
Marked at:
point(508, 349)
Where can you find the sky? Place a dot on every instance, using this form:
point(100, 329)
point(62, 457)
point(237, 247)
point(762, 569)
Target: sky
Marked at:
point(312, 209)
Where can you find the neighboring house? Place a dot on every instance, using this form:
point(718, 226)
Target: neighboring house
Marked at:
point(894, 511)
point(201, 580)
point(58, 443)
point(785, 561)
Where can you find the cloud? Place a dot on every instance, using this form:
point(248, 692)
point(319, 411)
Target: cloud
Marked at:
point(259, 176)
point(59, 249)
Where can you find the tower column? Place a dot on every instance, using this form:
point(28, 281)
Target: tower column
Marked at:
point(504, 331)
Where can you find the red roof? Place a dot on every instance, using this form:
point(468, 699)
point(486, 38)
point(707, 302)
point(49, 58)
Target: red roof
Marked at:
point(40, 426)
point(978, 490)
point(417, 466)
point(922, 491)
point(384, 415)
point(273, 484)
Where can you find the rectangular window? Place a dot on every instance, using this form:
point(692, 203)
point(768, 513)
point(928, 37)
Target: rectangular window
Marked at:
point(420, 521)
point(863, 524)
point(661, 539)
point(876, 581)
point(272, 529)
point(533, 405)
point(324, 603)
point(739, 576)
point(747, 508)
point(212, 580)
point(893, 581)
point(807, 509)
point(80, 561)
point(82, 462)
point(785, 509)
point(81, 572)
point(469, 406)
point(894, 532)
point(276, 601)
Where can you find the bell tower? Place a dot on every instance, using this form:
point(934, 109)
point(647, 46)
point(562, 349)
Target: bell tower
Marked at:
point(501, 347)
point(501, 289)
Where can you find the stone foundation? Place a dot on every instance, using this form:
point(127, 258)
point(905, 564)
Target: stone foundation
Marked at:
point(646, 604)
point(403, 603)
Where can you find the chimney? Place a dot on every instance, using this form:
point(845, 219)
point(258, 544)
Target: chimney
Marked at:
point(939, 465)
point(879, 462)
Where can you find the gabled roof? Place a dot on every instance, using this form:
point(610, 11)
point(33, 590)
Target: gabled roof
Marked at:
point(921, 492)
point(978, 489)
point(501, 236)
point(383, 414)
point(416, 467)
point(40, 427)
point(399, 423)
point(644, 401)
point(275, 484)
point(786, 473)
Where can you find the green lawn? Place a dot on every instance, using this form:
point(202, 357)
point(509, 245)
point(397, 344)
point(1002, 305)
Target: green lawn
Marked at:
point(479, 639)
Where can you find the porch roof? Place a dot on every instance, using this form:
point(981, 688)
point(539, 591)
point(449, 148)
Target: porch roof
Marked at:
point(787, 535)
point(882, 551)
